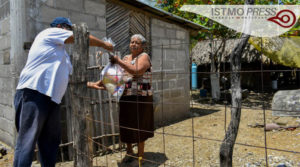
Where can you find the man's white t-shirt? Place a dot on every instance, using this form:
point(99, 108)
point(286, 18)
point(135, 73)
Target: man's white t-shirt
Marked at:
point(48, 65)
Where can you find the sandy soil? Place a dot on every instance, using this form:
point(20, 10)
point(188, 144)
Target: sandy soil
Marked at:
point(197, 139)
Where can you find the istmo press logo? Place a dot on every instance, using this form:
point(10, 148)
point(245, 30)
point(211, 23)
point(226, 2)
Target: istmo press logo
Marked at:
point(255, 20)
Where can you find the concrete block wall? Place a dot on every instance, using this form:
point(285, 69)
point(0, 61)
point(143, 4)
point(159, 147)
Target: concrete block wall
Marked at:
point(170, 63)
point(171, 79)
point(37, 16)
point(7, 129)
point(91, 12)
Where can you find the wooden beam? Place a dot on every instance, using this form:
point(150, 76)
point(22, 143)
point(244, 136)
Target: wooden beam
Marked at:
point(80, 107)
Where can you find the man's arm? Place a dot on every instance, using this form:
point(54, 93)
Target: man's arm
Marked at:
point(96, 85)
point(93, 42)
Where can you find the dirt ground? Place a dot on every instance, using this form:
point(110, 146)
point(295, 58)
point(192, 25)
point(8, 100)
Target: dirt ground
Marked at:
point(197, 139)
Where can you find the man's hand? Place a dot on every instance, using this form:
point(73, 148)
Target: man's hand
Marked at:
point(108, 46)
point(96, 85)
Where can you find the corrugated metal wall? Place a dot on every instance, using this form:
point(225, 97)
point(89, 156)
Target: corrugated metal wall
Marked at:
point(117, 26)
point(122, 23)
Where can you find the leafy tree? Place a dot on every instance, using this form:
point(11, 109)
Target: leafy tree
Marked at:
point(217, 31)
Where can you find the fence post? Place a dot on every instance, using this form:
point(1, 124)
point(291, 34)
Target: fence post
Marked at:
point(80, 105)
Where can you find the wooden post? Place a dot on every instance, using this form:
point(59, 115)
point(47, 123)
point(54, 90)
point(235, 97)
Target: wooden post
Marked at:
point(226, 149)
point(112, 121)
point(227, 145)
point(80, 105)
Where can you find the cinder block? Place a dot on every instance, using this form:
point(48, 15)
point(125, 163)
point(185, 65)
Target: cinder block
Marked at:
point(170, 76)
point(156, 76)
point(47, 14)
point(183, 82)
point(5, 83)
point(171, 33)
point(157, 31)
point(6, 125)
point(176, 93)
point(1, 57)
point(156, 42)
point(7, 112)
point(179, 44)
point(5, 71)
point(76, 5)
point(95, 7)
point(6, 57)
point(161, 23)
point(101, 23)
point(7, 138)
point(4, 10)
point(153, 21)
point(166, 93)
point(154, 86)
point(90, 20)
point(156, 54)
point(165, 43)
point(98, 34)
point(170, 54)
point(159, 85)
point(180, 64)
point(166, 84)
point(169, 25)
point(6, 97)
point(181, 34)
point(182, 54)
point(156, 66)
point(5, 25)
point(4, 42)
point(169, 65)
point(172, 83)
point(50, 3)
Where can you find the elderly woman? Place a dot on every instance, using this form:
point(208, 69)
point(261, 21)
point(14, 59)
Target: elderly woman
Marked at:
point(136, 107)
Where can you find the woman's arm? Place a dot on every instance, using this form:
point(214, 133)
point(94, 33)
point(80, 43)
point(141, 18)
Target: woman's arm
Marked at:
point(93, 42)
point(139, 68)
point(96, 85)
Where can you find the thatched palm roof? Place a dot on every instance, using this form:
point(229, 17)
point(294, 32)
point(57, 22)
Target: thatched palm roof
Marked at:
point(201, 52)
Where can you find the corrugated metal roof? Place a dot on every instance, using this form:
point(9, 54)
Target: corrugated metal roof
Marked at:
point(161, 13)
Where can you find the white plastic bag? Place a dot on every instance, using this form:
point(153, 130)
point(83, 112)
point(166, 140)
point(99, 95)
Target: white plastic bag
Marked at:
point(112, 78)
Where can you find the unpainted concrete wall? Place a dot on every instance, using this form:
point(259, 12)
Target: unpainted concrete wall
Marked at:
point(7, 130)
point(171, 81)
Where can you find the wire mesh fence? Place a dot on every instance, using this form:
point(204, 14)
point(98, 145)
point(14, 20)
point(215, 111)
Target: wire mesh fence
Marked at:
point(195, 140)
point(190, 123)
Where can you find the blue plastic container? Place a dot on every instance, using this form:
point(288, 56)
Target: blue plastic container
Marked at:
point(194, 76)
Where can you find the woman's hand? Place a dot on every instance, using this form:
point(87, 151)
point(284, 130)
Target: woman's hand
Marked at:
point(114, 59)
point(96, 85)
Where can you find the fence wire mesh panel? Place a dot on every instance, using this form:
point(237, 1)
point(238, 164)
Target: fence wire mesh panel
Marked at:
point(191, 121)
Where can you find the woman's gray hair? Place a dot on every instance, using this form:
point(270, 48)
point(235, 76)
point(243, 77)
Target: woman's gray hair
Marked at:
point(139, 36)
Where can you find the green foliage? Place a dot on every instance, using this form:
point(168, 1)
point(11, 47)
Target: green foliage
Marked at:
point(291, 2)
point(216, 30)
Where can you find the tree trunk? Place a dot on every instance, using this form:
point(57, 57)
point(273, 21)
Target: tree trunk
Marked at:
point(80, 106)
point(227, 146)
point(215, 57)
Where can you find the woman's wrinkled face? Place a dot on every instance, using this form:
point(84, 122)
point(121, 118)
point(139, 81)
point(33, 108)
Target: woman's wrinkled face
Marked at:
point(136, 45)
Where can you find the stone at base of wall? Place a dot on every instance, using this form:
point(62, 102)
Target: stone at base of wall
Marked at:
point(7, 138)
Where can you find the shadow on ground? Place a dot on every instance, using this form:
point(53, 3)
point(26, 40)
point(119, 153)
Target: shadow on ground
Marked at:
point(152, 159)
point(199, 112)
point(249, 99)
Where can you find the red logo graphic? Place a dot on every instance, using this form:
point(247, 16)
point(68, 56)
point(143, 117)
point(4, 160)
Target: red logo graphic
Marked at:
point(284, 18)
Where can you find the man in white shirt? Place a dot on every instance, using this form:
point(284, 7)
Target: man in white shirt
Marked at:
point(42, 84)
